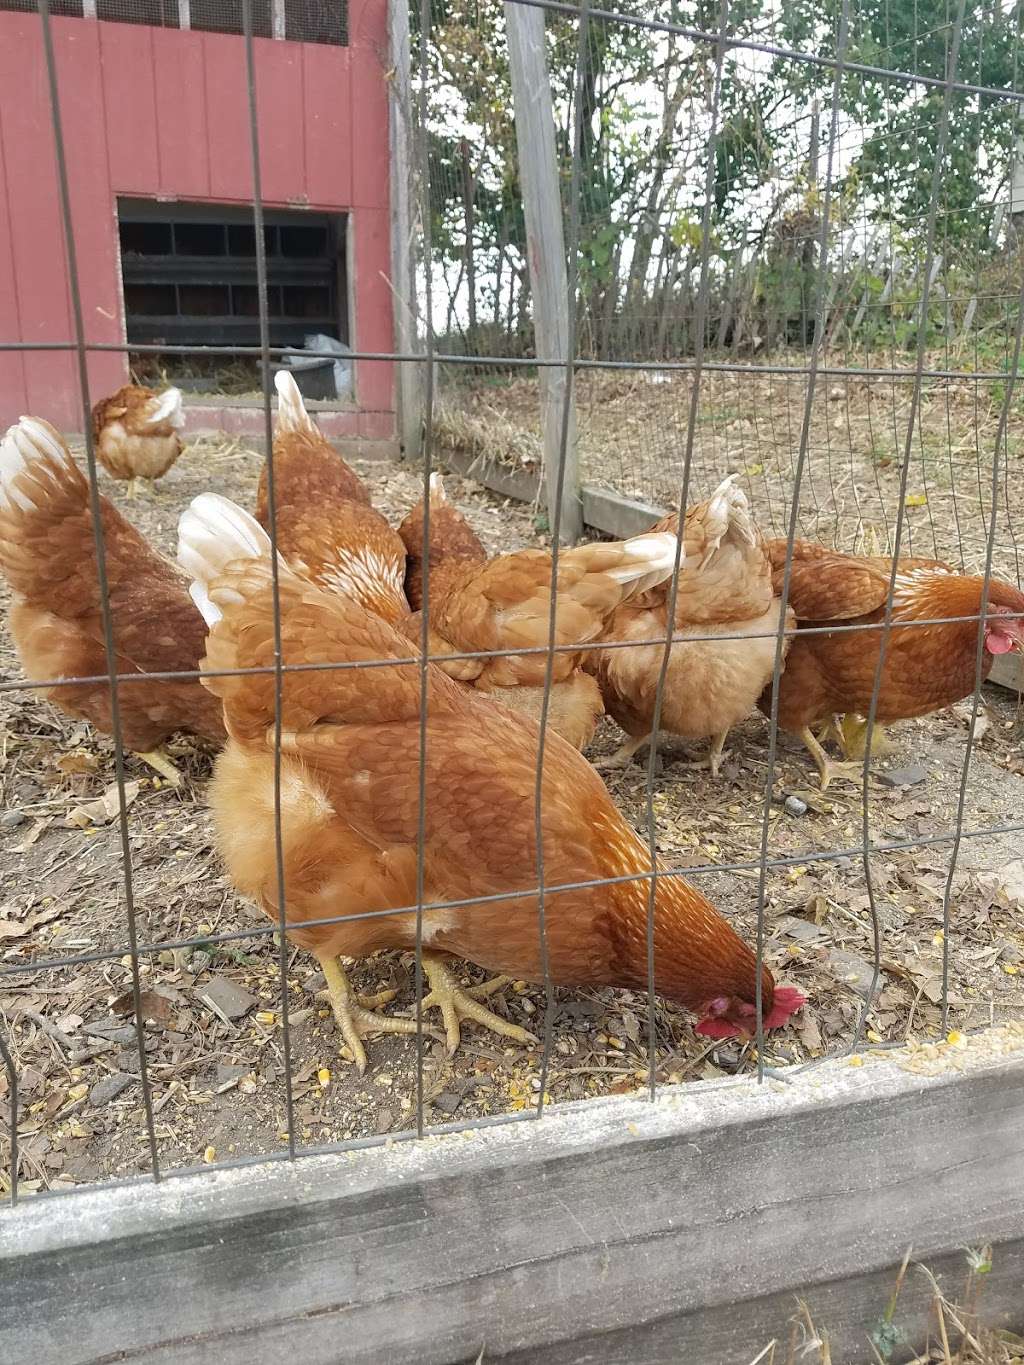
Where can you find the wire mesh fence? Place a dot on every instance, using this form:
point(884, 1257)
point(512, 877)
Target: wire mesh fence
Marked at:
point(791, 247)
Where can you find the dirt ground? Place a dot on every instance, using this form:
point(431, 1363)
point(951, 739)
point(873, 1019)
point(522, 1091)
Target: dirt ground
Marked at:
point(214, 1044)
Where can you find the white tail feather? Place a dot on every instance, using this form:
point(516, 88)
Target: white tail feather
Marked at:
point(437, 493)
point(291, 410)
point(166, 407)
point(31, 442)
point(648, 560)
point(214, 532)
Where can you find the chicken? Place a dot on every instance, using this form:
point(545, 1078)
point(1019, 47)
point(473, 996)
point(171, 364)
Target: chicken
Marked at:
point(725, 589)
point(350, 742)
point(926, 667)
point(326, 528)
point(453, 544)
point(48, 555)
point(135, 433)
point(505, 604)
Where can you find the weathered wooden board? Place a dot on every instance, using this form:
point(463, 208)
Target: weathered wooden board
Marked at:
point(1008, 671)
point(545, 253)
point(611, 1231)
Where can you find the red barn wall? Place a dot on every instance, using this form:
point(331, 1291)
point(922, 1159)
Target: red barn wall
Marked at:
point(160, 113)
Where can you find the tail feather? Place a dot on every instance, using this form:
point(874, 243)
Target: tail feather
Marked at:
point(33, 459)
point(213, 534)
point(165, 407)
point(646, 561)
point(291, 410)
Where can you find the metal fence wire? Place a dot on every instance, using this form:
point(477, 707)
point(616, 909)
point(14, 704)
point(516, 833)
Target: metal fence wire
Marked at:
point(768, 210)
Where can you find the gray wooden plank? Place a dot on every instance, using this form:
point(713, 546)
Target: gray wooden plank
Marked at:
point(1008, 671)
point(603, 1221)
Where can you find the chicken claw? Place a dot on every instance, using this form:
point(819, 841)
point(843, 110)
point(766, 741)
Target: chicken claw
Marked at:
point(853, 772)
point(456, 1003)
point(354, 1021)
point(853, 733)
point(622, 756)
point(158, 760)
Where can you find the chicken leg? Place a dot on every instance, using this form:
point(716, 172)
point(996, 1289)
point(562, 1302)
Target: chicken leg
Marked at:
point(355, 1021)
point(826, 768)
point(455, 1003)
point(853, 731)
point(622, 755)
point(158, 760)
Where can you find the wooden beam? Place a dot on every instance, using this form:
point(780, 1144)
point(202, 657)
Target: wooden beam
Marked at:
point(612, 1230)
point(545, 249)
point(603, 510)
point(404, 303)
point(1008, 671)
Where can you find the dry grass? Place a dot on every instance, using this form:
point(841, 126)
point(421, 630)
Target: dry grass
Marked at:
point(956, 1331)
point(632, 438)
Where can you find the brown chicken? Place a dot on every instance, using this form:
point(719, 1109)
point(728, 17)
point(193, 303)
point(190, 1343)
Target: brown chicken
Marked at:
point(326, 528)
point(453, 544)
point(349, 801)
point(135, 433)
point(48, 555)
point(725, 589)
point(926, 667)
point(505, 603)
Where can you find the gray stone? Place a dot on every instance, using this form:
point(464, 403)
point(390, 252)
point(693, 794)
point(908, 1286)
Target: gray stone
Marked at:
point(904, 777)
point(221, 993)
point(109, 1087)
point(794, 806)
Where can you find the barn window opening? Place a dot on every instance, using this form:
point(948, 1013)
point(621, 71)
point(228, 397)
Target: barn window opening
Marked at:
point(298, 21)
point(189, 278)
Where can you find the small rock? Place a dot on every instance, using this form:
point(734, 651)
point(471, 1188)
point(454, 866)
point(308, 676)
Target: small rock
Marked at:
point(110, 1031)
point(225, 1074)
point(221, 993)
point(904, 777)
point(199, 961)
point(852, 971)
point(11, 819)
point(1010, 953)
point(794, 806)
point(109, 1087)
point(448, 1102)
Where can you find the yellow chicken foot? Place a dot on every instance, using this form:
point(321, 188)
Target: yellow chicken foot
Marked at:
point(826, 768)
point(714, 758)
point(622, 755)
point(158, 760)
point(354, 1021)
point(457, 1003)
point(853, 738)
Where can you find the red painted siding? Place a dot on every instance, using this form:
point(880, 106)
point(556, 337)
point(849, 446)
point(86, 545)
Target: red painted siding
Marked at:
point(158, 113)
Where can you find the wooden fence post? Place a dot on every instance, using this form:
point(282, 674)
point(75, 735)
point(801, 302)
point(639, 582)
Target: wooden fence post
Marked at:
point(542, 210)
point(408, 376)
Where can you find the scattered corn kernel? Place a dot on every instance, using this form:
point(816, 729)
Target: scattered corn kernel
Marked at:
point(856, 1061)
point(323, 1076)
point(955, 1038)
point(1010, 969)
point(266, 1016)
point(210, 1155)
